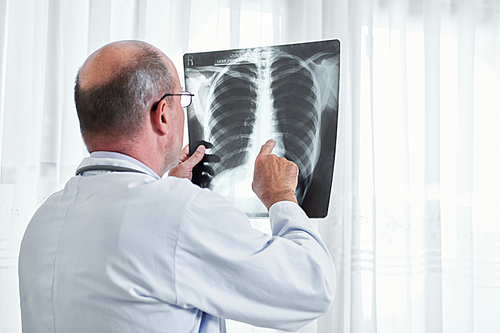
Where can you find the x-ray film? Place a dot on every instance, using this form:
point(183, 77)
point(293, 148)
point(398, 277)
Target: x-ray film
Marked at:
point(245, 97)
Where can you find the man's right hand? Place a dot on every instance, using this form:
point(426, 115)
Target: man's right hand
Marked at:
point(275, 178)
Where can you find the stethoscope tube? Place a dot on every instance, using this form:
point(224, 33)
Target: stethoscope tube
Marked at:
point(115, 168)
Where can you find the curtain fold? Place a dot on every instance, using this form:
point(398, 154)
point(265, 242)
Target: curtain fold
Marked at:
point(413, 224)
point(432, 173)
point(460, 273)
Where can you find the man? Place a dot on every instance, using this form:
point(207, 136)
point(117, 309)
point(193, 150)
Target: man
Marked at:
point(120, 249)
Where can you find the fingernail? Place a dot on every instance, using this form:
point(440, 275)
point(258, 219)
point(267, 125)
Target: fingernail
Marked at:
point(201, 149)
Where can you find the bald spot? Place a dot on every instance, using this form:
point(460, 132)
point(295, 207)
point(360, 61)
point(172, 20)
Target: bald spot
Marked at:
point(109, 61)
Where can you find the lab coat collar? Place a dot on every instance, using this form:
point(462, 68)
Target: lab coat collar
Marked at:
point(114, 162)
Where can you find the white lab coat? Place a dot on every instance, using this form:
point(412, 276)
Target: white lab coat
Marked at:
point(126, 252)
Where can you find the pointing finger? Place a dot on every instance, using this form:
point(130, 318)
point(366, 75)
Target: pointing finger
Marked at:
point(268, 147)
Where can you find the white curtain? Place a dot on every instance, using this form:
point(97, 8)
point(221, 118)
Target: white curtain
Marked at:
point(414, 220)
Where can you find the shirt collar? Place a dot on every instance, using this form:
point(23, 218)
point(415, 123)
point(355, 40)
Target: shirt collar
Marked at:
point(123, 157)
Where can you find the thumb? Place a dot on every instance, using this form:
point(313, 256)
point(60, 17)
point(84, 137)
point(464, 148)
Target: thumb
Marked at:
point(196, 157)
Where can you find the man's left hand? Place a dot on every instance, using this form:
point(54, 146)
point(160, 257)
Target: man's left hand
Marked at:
point(186, 164)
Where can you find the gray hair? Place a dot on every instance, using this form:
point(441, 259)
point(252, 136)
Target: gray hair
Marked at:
point(118, 108)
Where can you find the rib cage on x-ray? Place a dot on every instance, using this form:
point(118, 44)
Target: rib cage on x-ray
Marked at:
point(256, 96)
point(260, 96)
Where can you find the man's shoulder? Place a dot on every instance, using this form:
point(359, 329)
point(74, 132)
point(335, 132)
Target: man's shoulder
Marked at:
point(192, 196)
point(177, 190)
point(177, 186)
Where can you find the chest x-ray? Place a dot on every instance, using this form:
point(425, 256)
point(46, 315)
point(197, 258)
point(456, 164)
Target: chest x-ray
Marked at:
point(245, 97)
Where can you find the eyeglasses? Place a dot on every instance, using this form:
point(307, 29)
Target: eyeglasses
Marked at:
point(186, 99)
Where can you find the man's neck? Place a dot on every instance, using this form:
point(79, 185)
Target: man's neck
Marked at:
point(124, 157)
point(136, 149)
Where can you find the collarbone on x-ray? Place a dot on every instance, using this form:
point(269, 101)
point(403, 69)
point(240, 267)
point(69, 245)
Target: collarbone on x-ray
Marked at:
point(246, 97)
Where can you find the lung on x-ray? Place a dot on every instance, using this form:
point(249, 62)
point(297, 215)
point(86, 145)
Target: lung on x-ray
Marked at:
point(245, 97)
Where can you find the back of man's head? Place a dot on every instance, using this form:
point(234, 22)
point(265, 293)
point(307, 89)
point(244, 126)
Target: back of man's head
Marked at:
point(116, 87)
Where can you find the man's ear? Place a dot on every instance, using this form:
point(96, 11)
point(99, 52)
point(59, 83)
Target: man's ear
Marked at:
point(159, 117)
